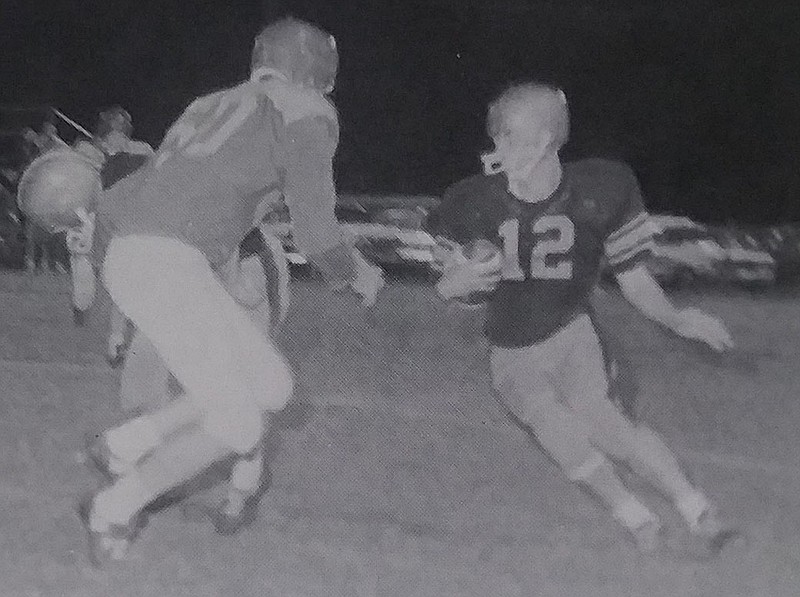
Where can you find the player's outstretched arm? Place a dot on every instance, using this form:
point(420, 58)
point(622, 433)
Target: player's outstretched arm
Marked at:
point(643, 292)
point(311, 198)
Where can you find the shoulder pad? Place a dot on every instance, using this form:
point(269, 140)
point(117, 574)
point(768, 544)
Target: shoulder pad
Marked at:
point(602, 167)
point(469, 186)
point(296, 103)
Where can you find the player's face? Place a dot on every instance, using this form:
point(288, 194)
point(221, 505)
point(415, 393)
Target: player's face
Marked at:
point(520, 140)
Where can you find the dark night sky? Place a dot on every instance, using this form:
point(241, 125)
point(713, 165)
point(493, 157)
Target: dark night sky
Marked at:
point(703, 100)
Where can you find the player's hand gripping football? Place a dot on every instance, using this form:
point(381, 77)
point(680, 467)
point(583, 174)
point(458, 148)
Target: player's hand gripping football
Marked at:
point(697, 325)
point(463, 276)
point(369, 279)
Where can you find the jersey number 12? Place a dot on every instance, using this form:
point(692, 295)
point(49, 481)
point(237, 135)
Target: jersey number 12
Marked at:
point(549, 259)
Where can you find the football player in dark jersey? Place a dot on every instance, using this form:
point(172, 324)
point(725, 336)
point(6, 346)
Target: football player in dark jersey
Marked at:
point(554, 226)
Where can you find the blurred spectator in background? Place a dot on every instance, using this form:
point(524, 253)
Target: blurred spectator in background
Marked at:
point(112, 143)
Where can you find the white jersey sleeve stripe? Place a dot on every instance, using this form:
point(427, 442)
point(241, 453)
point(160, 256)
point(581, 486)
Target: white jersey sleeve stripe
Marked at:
point(628, 226)
point(640, 235)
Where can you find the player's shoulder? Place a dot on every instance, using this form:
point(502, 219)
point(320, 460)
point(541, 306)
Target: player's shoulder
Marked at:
point(295, 103)
point(475, 188)
point(465, 204)
point(609, 185)
point(600, 171)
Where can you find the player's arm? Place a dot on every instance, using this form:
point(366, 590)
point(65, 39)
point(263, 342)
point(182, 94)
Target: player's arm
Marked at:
point(460, 277)
point(310, 196)
point(626, 249)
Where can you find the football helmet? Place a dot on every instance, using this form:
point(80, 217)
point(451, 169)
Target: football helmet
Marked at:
point(55, 186)
point(526, 122)
point(302, 53)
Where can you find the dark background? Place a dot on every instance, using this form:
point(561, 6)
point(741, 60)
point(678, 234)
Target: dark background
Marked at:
point(702, 97)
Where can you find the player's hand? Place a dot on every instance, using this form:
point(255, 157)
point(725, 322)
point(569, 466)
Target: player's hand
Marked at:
point(369, 280)
point(697, 325)
point(79, 239)
point(463, 277)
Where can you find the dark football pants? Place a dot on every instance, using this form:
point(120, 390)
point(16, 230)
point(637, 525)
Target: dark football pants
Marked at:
point(559, 388)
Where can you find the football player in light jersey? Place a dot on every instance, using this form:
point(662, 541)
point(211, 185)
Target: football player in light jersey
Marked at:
point(554, 224)
point(173, 223)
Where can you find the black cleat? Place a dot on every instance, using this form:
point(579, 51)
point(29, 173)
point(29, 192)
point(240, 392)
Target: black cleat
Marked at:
point(79, 317)
point(225, 519)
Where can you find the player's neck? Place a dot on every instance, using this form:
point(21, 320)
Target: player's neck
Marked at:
point(540, 183)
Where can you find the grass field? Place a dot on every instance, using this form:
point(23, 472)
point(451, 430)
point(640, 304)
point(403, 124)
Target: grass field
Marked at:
point(396, 474)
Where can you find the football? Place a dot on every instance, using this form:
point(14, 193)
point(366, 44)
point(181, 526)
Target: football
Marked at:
point(482, 251)
point(57, 184)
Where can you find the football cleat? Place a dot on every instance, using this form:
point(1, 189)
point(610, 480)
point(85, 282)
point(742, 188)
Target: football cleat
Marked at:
point(647, 536)
point(714, 534)
point(228, 516)
point(235, 512)
point(112, 543)
point(79, 317)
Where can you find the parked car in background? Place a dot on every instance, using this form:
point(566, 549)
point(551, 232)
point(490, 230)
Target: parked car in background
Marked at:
point(687, 253)
point(387, 229)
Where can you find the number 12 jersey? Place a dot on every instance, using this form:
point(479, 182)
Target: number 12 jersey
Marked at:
point(553, 250)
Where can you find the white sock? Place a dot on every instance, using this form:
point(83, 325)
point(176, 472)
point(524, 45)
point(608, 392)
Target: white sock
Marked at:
point(132, 440)
point(632, 514)
point(692, 506)
point(118, 503)
point(246, 474)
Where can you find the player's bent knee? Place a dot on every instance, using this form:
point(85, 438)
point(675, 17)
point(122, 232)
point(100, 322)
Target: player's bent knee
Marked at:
point(277, 389)
point(239, 428)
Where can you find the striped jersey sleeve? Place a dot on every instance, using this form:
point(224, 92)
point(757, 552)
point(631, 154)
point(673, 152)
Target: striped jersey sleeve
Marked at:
point(631, 238)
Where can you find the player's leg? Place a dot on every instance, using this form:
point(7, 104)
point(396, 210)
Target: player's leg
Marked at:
point(83, 285)
point(144, 390)
point(117, 336)
point(266, 269)
point(584, 383)
point(30, 246)
point(46, 263)
point(524, 380)
point(196, 327)
point(144, 380)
